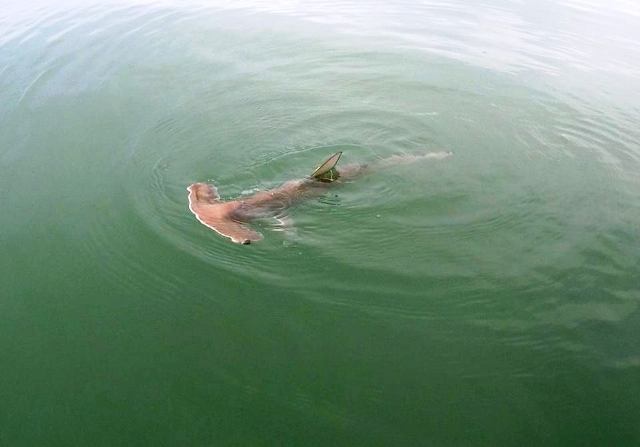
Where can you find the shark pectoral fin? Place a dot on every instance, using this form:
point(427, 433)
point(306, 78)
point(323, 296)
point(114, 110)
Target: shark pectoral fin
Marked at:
point(284, 223)
point(286, 226)
point(327, 166)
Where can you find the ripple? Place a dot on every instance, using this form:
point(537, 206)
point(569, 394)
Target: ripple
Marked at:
point(215, 93)
point(512, 263)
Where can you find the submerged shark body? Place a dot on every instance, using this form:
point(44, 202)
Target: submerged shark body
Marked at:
point(229, 218)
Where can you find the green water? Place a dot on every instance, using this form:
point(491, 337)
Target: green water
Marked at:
point(490, 298)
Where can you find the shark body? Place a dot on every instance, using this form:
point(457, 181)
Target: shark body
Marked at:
point(229, 218)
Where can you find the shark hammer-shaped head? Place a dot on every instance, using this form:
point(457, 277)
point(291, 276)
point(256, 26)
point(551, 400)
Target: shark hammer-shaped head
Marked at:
point(205, 204)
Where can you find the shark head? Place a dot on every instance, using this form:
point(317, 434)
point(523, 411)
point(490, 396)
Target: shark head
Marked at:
point(206, 205)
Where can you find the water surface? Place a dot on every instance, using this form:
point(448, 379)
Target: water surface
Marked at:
point(491, 298)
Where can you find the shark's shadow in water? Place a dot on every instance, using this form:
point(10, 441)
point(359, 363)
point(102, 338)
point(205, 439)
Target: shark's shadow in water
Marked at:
point(229, 218)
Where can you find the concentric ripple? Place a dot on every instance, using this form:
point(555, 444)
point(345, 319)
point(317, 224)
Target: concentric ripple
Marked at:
point(249, 111)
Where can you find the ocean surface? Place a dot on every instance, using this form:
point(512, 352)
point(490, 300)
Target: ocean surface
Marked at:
point(491, 298)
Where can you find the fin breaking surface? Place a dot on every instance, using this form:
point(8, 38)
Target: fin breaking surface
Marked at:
point(327, 166)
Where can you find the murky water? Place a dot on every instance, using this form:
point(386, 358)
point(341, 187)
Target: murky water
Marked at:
point(488, 298)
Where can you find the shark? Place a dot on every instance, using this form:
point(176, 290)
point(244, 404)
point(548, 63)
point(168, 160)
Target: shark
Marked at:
point(230, 218)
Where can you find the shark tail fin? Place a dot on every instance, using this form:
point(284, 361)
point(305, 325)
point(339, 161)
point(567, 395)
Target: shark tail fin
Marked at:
point(326, 166)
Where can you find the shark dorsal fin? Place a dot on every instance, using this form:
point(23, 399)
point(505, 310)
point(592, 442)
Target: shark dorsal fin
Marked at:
point(327, 166)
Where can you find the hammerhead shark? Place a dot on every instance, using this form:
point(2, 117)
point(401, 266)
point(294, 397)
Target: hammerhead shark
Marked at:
point(229, 218)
